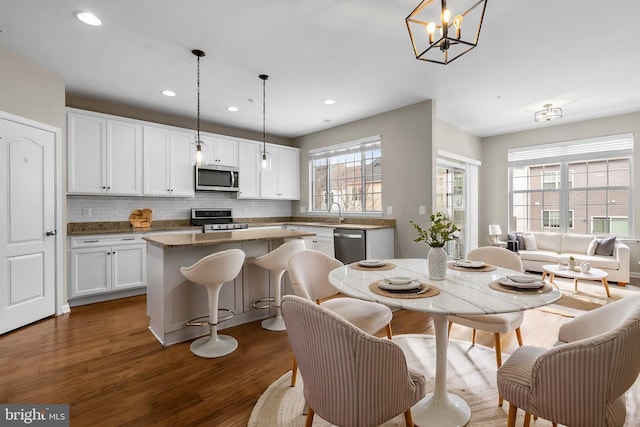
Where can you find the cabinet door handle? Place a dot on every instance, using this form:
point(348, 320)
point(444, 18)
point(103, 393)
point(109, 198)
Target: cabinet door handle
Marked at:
point(51, 232)
point(90, 241)
point(128, 238)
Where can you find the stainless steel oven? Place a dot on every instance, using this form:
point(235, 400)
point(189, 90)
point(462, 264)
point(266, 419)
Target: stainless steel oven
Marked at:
point(215, 220)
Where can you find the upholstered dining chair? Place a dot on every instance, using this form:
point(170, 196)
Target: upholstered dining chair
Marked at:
point(351, 378)
point(496, 323)
point(309, 271)
point(581, 381)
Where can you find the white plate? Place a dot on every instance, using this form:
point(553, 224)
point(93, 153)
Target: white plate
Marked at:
point(469, 264)
point(372, 263)
point(510, 283)
point(388, 286)
point(399, 280)
point(522, 278)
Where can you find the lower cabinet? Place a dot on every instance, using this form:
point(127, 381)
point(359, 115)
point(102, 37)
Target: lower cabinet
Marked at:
point(322, 241)
point(103, 265)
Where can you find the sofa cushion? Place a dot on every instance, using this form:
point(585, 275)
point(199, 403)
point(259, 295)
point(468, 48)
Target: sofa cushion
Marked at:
point(549, 257)
point(591, 250)
point(549, 241)
point(529, 242)
point(605, 246)
point(576, 243)
point(520, 241)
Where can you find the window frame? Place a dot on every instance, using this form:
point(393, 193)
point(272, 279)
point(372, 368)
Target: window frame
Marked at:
point(365, 151)
point(565, 196)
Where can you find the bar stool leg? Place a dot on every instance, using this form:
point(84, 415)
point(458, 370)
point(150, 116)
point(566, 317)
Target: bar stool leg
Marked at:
point(213, 345)
point(275, 323)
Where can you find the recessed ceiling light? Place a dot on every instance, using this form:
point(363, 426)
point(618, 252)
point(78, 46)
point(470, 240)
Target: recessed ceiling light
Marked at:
point(88, 18)
point(233, 109)
point(168, 92)
point(329, 101)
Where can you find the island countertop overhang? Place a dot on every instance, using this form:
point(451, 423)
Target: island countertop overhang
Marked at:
point(220, 237)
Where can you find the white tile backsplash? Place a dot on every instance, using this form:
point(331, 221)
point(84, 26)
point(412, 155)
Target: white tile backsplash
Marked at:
point(115, 208)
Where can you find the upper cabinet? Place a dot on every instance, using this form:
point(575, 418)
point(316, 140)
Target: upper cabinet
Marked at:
point(167, 162)
point(220, 151)
point(109, 155)
point(283, 181)
point(104, 155)
point(249, 185)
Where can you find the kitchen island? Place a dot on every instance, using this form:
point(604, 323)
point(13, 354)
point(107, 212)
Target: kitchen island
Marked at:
point(172, 300)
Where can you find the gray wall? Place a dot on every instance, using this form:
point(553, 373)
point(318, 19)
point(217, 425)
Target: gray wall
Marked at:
point(494, 176)
point(407, 135)
point(31, 91)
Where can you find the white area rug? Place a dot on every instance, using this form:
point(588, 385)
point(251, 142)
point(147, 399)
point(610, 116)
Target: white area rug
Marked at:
point(471, 374)
point(590, 295)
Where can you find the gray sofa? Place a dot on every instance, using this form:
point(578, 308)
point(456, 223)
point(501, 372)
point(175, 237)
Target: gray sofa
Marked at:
point(554, 248)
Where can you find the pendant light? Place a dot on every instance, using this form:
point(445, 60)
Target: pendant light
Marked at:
point(198, 148)
point(265, 158)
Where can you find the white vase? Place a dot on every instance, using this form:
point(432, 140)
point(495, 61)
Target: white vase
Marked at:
point(437, 262)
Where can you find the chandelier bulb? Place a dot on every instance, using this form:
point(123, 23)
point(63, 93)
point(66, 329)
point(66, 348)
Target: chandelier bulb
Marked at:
point(446, 15)
point(457, 22)
point(431, 28)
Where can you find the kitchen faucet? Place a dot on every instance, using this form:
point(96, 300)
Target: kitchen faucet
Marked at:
point(339, 211)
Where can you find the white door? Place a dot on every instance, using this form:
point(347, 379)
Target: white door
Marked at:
point(27, 224)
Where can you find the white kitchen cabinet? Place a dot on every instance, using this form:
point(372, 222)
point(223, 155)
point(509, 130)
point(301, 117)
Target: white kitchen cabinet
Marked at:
point(322, 241)
point(248, 154)
point(104, 155)
point(283, 181)
point(168, 170)
point(106, 264)
point(220, 151)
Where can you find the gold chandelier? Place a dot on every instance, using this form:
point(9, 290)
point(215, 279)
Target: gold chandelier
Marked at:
point(441, 33)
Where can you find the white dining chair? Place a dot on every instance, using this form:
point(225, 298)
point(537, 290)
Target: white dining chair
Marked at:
point(495, 323)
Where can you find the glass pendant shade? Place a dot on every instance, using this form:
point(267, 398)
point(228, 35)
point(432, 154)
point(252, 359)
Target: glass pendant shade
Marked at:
point(198, 153)
point(265, 162)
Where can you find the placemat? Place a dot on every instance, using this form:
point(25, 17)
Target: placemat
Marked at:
point(433, 291)
point(495, 285)
point(486, 267)
point(387, 266)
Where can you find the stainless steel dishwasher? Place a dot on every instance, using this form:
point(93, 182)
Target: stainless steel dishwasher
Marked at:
point(349, 244)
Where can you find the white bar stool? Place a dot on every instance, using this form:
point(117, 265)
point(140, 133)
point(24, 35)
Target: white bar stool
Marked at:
point(213, 271)
point(276, 262)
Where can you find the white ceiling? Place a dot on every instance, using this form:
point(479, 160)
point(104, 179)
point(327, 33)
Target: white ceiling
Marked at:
point(582, 55)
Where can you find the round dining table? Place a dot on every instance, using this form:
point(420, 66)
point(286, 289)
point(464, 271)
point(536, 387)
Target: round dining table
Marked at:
point(465, 291)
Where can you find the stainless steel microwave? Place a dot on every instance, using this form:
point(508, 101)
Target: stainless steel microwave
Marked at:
point(216, 178)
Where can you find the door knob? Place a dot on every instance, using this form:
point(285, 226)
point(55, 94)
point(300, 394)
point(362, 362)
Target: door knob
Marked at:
point(51, 232)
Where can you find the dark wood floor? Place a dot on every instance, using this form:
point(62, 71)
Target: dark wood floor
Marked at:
point(102, 360)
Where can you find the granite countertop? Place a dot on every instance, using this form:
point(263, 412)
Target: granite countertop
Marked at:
point(169, 241)
point(109, 227)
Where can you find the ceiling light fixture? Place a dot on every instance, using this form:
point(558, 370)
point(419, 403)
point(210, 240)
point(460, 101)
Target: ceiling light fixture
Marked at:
point(198, 144)
point(168, 92)
point(88, 18)
point(233, 109)
point(548, 113)
point(432, 37)
point(265, 158)
point(329, 101)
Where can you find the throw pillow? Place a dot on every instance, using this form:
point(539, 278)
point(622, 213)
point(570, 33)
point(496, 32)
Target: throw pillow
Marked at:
point(605, 246)
point(530, 243)
point(591, 249)
point(520, 241)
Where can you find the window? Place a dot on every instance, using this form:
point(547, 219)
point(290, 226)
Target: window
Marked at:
point(347, 174)
point(582, 186)
point(551, 219)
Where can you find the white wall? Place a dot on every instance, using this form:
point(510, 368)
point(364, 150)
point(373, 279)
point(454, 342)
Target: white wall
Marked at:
point(494, 177)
